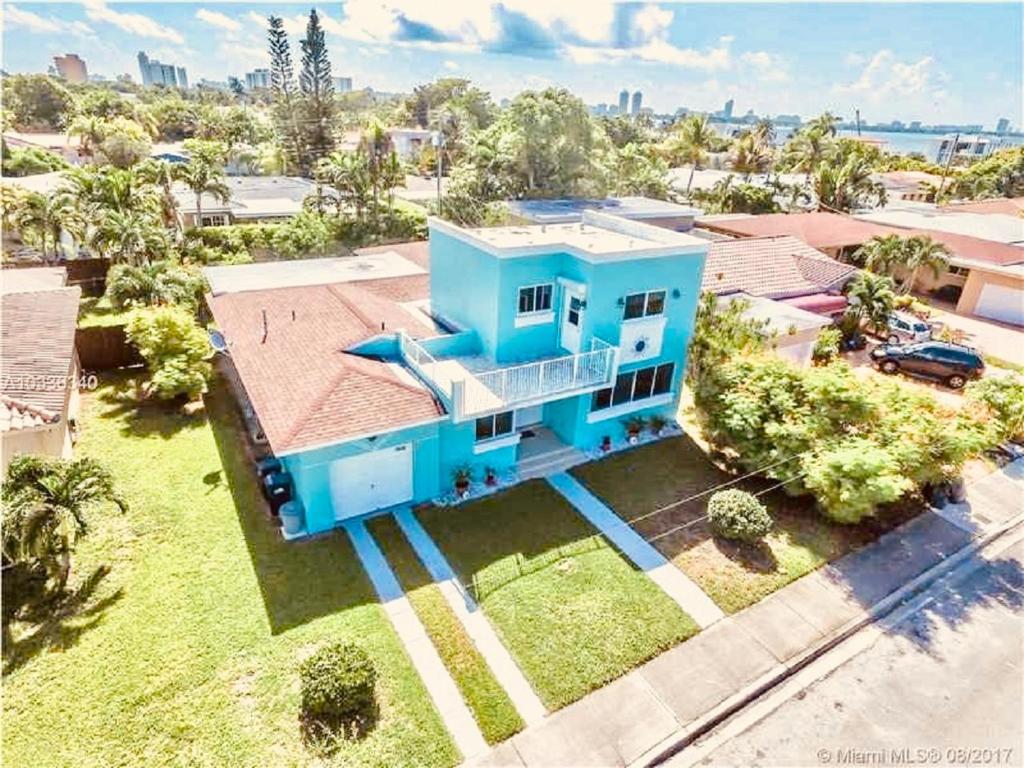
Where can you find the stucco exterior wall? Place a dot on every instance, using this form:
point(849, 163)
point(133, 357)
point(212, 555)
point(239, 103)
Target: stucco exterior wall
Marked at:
point(977, 280)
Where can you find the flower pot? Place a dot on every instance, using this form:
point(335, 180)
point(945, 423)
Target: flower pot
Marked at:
point(462, 489)
point(491, 481)
point(634, 438)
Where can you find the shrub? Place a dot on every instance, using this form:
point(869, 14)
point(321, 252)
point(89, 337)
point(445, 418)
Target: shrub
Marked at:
point(738, 515)
point(850, 480)
point(338, 684)
point(159, 283)
point(826, 347)
point(175, 349)
point(1003, 398)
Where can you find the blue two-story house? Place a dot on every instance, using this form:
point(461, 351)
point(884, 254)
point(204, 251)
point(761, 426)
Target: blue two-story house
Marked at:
point(506, 351)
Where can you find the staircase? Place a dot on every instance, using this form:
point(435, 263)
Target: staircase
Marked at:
point(544, 464)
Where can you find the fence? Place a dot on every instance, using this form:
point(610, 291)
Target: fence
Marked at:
point(104, 348)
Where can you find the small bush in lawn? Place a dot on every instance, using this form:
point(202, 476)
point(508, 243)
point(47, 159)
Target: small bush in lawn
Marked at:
point(338, 684)
point(738, 515)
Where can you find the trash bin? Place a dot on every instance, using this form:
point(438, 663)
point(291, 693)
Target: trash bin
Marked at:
point(277, 487)
point(267, 465)
point(291, 517)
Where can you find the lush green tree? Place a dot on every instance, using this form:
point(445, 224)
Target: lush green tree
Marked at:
point(90, 130)
point(175, 349)
point(871, 299)
point(319, 110)
point(203, 175)
point(846, 187)
point(46, 507)
point(347, 176)
point(453, 95)
point(749, 155)
point(1001, 174)
point(162, 282)
point(176, 118)
point(726, 197)
point(135, 237)
point(690, 143)
point(806, 150)
point(721, 331)
point(852, 477)
point(636, 170)
point(161, 175)
point(738, 515)
point(40, 219)
point(37, 101)
point(124, 143)
point(285, 93)
point(30, 161)
point(623, 130)
point(305, 235)
point(1003, 399)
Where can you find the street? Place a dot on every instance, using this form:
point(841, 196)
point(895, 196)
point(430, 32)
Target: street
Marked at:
point(937, 683)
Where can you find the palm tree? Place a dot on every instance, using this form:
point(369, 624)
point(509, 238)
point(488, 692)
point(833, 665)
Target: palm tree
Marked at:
point(764, 132)
point(846, 187)
point(91, 131)
point(45, 217)
point(130, 238)
point(923, 252)
point(202, 177)
point(161, 174)
point(749, 156)
point(871, 299)
point(348, 174)
point(694, 137)
point(45, 506)
point(881, 254)
point(806, 150)
point(824, 124)
point(376, 145)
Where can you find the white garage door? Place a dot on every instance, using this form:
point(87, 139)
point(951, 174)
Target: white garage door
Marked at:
point(1001, 303)
point(370, 481)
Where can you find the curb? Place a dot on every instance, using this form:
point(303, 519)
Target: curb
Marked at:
point(702, 725)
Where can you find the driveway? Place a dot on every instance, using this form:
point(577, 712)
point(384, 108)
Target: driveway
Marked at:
point(996, 339)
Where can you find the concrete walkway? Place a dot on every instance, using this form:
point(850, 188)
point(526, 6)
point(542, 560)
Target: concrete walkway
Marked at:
point(504, 667)
point(439, 684)
point(673, 581)
point(636, 717)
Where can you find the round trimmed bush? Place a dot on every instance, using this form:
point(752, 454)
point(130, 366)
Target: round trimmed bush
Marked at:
point(338, 683)
point(738, 515)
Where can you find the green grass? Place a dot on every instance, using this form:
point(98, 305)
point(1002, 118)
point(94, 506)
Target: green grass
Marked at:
point(97, 311)
point(999, 362)
point(643, 479)
point(571, 610)
point(187, 651)
point(490, 705)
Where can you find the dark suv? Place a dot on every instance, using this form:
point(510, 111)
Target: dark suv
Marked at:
point(952, 364)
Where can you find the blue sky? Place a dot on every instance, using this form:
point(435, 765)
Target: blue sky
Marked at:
point(945, 62)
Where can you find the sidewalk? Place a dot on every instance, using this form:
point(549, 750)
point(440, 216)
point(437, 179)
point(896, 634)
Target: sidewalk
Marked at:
point(636, 717)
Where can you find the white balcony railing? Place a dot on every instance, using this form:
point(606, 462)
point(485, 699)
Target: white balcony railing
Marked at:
point(466, 393)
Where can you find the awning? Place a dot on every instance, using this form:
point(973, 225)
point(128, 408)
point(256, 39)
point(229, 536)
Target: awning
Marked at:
point(819, 303)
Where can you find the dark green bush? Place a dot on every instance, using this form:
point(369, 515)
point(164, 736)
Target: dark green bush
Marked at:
point(738, 515)
point(338, 684)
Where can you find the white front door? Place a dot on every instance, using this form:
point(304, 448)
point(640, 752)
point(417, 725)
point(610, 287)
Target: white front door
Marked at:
point(572, 319)
point(372, 480)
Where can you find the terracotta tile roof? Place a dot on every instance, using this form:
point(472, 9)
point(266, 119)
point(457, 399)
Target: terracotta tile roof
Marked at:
point(37, 347)
point(773, 267)
point(831, 230)
point(306, 389)
point(1011, 206)
point(15, 415)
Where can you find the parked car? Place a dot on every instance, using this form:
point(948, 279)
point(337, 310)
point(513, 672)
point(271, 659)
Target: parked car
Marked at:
point(952, 364)
point(904, 327)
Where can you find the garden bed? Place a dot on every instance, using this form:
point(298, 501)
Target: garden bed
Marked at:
point(572, 611)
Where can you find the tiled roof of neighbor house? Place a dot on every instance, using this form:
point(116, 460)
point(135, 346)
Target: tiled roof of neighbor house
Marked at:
point(772, 267)
point(1011, 206)
point(832, 230)
point(15, 415)
point(37, 340)
point(306, 389)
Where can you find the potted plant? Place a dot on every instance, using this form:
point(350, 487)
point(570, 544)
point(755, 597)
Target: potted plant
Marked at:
point(658, 424)
point(634, 426)
point(462, 477)
point(490, 477)
point(606, 444)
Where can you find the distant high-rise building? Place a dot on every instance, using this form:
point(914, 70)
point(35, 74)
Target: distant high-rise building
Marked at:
point(155, 73)
point(71, 68)
point(258, 78)
point(638, 99)
point(1003, 126)
point(623, 102)
point(342, 84)
point(727, 110)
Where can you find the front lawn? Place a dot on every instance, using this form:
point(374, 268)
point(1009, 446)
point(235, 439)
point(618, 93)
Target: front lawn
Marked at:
point(637, 481)
point(572, 611)
point(186, 652)
point(487, 700)
point(97, 311)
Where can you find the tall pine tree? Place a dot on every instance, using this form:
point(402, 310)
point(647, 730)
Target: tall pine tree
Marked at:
point(285, 94)
point(318, 94)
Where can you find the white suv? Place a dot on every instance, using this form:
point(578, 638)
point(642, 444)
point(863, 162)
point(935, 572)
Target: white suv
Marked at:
point(904, 327)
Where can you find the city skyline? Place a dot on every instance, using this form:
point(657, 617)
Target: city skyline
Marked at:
point(961, 65)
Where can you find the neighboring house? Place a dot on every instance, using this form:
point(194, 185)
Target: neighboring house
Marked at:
point(914, 186)
point(253, 199)
point(39, 378)
point(793, 331)
point(658, 213)
point(409, 141)
point(985, 277)
point(68, 147)
point(515, 348)
point(1009, 206)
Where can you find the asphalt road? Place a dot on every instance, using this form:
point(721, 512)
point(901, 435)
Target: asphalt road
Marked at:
point(943, 685)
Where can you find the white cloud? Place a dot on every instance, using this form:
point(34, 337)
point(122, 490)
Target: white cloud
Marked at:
point(218, 20)
point(886, 76)
point(452, 65)
point(134, 23)
point(18, 17)
point(765, 66)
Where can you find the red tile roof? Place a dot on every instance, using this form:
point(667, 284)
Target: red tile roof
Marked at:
point(773, 267)
point(37, 349)
point(1010, 206)
point(832, 230)
point(15, 415)
point(306, 389)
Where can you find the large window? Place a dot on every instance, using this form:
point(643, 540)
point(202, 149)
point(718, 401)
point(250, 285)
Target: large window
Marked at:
point(644, 304)
point(535, 298)
point(635, 385)
point(495, 425)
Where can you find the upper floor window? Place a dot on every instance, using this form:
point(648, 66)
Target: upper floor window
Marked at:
point(495, 425)
point(635, 385)
point(644, 304)
point(535, 298)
